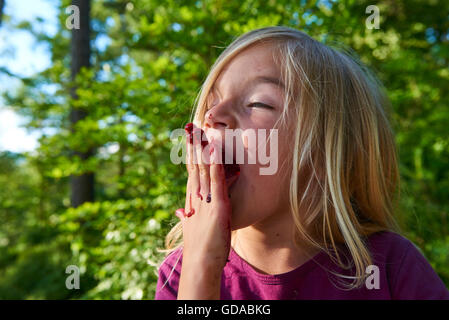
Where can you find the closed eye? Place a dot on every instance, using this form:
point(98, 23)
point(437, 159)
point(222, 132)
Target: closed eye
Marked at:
point(260, 105)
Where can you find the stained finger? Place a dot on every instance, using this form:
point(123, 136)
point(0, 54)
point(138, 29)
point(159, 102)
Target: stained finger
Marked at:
point(217, 175)
point(201, 147)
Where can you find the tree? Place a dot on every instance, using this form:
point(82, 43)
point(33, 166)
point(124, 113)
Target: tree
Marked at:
point(147, 61)
point(2, 5)
point(82, 186)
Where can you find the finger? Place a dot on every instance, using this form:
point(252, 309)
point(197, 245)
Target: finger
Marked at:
point(217, 175)
point(201, 147)
point(192, 168)
point(189, 140)
point(180, 213)
point(191, 160)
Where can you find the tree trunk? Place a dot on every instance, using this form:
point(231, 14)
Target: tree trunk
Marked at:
point(2, 5)
point(82, 186)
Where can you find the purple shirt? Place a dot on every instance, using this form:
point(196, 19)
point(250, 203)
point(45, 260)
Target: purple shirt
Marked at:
point(403, 273)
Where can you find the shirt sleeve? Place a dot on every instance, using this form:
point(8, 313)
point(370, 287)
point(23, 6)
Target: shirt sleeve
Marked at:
point(168, 281)
point(416, 279)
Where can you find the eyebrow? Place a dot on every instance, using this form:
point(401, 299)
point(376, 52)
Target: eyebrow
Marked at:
point(268, 79)
point(260, 79)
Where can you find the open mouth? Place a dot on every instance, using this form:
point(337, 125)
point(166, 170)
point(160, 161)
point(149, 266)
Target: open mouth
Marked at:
point(232, 170)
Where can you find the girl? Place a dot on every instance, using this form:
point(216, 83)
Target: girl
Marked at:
point(321, 226)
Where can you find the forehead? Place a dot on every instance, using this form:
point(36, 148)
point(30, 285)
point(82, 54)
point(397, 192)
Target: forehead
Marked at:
point(254, 64)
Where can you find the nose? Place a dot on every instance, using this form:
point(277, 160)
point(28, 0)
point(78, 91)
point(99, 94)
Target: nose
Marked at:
point(220, 117)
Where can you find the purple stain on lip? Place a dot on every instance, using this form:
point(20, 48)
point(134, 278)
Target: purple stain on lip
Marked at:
point(189, 127)
point(191, 130)
point(231, 169)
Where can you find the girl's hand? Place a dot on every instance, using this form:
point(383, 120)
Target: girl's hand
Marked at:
point(205, 220)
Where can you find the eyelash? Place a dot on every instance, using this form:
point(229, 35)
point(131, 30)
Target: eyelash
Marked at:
point(263, 105)
point(254, 104)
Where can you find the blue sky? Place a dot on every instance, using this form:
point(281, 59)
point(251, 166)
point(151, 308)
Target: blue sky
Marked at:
point(20, 53)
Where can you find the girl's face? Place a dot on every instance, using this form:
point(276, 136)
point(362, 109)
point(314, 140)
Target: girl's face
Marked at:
point(249, 95)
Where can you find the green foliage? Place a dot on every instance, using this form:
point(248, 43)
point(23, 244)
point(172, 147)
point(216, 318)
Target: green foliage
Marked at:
point(143, 85)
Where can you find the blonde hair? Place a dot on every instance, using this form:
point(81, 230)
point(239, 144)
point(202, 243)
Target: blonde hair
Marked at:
point(344, 150)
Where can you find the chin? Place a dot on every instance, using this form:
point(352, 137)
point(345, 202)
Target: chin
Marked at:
point(236, 224)
point(235, 216)
point(240, 217)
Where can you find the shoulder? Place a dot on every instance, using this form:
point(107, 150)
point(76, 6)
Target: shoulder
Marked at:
point(169, 272)
point(387, 246)
point(173, 259)
point(409, 274)
point(388, 250)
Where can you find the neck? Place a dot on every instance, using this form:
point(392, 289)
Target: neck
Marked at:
point(269, 246)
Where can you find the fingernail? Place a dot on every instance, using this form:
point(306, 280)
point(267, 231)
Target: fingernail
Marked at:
point(180, 213)
point(199, 195)
point(209, 198)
